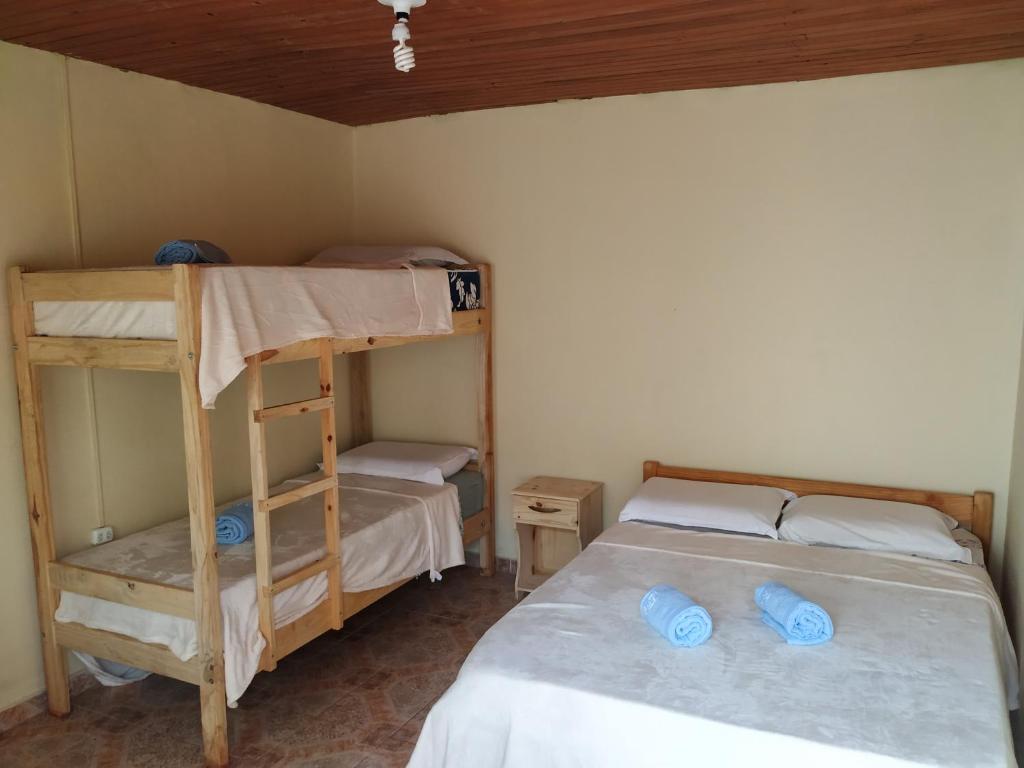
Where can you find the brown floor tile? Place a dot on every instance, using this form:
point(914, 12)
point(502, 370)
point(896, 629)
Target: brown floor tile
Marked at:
point(350, 699)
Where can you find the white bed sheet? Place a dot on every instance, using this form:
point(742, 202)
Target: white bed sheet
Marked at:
point(920, 671)
point(106, 319)
point(391, 530)
point(246, 310)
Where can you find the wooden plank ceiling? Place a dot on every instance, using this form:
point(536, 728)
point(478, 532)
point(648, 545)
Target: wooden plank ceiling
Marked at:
point(332, 58)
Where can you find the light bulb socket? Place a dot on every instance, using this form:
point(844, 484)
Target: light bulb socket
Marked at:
point(401, 16)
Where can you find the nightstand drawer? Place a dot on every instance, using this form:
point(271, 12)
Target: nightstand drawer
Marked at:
point(553, 513)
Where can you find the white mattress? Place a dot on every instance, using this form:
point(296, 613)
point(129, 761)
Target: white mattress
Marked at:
point(246, 310)
point(106, 319)
point(920, 671)
point(391, 530)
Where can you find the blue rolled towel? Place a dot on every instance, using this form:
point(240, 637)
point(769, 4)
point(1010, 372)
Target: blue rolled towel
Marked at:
point(676, 617)
point(234, 524)
point(190, 252)
point(798, 620)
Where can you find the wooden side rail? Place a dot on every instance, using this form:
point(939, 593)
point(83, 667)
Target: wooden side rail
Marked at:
point(137, 284)
point(127, 650)
point(469, 322)
point(353, 602)
point(293, 636)
point(125, 354)
point(476, 526)
point(138, 593)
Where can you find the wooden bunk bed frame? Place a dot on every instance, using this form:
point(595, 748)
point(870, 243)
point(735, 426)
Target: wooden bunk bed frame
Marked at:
point(181, 284)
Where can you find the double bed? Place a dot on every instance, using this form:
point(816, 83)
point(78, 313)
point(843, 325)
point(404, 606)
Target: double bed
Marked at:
point(920, 670)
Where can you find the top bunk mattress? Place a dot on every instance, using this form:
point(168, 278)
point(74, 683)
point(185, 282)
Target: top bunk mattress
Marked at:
point(248, 310)
point(155, 319)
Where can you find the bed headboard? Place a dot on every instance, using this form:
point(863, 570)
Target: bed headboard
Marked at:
point(972, 511)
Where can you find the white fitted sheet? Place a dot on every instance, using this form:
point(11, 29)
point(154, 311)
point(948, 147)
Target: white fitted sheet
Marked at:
point(391, 530)
point(246, 310)
point(920, 671)
point(106, 319)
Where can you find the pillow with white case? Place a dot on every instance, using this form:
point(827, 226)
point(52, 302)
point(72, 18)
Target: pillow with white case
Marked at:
point(697, 504)
point(422, 462)
point(881, 526)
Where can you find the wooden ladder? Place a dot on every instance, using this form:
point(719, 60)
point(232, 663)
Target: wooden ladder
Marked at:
point(263, 503)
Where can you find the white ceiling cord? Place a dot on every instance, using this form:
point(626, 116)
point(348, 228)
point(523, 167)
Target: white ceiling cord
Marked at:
point(404, 58)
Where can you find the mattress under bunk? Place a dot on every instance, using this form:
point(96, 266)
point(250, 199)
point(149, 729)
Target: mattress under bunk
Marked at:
point(391, 530)
point(470, 485)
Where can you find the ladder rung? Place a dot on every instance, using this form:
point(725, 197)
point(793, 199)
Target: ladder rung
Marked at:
point(293, 409)
point(311, 570)
point(302, 492)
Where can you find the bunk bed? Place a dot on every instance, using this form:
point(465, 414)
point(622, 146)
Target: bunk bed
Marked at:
point(152, 319)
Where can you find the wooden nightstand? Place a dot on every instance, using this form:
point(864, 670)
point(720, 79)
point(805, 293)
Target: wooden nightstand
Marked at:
point(555, 519)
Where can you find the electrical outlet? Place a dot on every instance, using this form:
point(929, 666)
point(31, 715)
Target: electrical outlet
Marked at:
point(102, 535)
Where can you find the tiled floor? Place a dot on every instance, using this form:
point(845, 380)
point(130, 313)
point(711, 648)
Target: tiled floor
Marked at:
point(356, 697)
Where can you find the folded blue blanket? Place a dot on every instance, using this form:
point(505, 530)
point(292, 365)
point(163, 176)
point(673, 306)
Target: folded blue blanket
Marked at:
point(798, 620)
point(679, 620)
point(234, 524)
point(190, 252)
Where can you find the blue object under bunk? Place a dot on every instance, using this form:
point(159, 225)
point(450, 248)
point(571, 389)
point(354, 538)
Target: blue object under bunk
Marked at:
point(190, 252)
point(676, 617)
point(234, 524)
point(796, 619)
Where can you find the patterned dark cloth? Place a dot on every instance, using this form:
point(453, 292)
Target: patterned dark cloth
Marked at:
point(465, 289)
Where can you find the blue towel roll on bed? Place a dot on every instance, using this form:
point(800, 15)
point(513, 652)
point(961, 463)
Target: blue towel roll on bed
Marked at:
point(190, 252)
point(234, 524)
point(796, 619)
point(676, 617)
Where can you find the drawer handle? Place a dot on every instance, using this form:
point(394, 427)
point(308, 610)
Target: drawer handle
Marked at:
point(538, 507)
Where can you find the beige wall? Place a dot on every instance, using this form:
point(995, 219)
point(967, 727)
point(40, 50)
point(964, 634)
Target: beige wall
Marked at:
point(127, 162)
point(36, 226)
point(820, 279)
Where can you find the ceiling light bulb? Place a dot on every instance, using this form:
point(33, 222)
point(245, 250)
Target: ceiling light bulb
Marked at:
point(405, 60)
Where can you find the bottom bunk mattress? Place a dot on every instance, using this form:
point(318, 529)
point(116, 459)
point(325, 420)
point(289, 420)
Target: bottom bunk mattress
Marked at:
point(470, 485)
point(391, 530)
point(920, 671)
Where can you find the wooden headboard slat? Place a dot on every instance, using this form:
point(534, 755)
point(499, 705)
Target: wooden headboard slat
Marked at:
point(972, 511)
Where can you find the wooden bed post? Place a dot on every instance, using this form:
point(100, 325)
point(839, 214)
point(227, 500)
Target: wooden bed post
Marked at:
point(359, 398)
point(332, 496)
point(485, 421)
point(37, 491)
point(198, 464)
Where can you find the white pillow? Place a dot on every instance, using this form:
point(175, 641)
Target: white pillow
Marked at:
point(723, 506)
point(423, 462)
point(883, 526)
point(386, 255)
